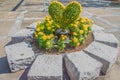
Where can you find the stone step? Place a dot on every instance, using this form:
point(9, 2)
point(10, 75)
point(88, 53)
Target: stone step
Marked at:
point(46, 67)
point(81, 66)
point(105, 54)
point(96, 28)
point(19, 56)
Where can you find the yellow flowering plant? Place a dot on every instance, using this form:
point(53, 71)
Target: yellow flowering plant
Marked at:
point(62, 17)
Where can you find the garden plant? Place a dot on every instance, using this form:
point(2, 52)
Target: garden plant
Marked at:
point(63, 27)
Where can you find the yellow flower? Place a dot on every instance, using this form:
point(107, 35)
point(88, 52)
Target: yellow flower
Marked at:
point(92, 22)
point(49, 22)
point(58, 26)
point(48, 37)
point(36, 35)
point(72, 25)
point(49, 28)
point(38, 22)
point(85, 27)
point(47, 18)
point(78, 44)
point(48, 43)
point(81, 31)
point(44, 37)
point(53, 29)
point(75, 25)
point(40, 33)
point(75, 40)
point(42, 27)
point(83, 20)
point(87, 19)
point(63, 37)
point(74, 33)
point(37, 29)
point(90, 31)
point(52, 21)
point(76, 22)
point(51, 35)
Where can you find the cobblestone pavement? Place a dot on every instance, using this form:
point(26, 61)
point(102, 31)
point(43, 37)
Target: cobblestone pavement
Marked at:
point(33, 10)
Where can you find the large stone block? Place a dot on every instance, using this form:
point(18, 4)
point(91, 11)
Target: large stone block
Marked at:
point(19, 56)
point(96, 28)
point(46, 67)
point(22, 34)
point(106, 38)
point(81, 66)
point(103, 53)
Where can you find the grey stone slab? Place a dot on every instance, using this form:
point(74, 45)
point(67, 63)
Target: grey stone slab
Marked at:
point(19, 56)
point(106, 38)
point(22, 34)
point(46, 67)
point(96, 28)
point(81, 66)
point(103, 53)
point(32, 26)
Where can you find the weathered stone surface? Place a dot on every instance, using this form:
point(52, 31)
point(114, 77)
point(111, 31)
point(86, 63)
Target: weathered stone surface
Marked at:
point(32, 26)
point(22, 34)
point(103, 53)
point(106, 38)
point(96, 28)
point(81, 66)
point(19, 56)
point(46, 67)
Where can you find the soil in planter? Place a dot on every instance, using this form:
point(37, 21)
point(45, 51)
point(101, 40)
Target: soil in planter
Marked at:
point(67, 50)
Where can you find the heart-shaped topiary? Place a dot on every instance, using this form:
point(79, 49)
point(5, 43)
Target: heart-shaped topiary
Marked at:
point(64, 15)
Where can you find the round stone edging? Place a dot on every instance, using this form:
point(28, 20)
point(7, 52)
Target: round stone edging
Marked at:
point(97, 58)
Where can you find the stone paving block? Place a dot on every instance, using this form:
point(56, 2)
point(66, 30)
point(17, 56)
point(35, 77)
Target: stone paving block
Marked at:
point(22, 34)
point(19, 56)
point(103, 53)
point(36, 14)
point(106, 38)
point(46, 67)
point(32, 26)
point(8, 15)
point(113, 19)
point(97, 28)
point(5, 26)
point(81, 66)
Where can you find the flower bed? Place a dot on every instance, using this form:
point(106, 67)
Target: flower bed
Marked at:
point(64, 27)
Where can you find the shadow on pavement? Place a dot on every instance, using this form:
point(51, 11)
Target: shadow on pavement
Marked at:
point(24, 75)
point(4, 67)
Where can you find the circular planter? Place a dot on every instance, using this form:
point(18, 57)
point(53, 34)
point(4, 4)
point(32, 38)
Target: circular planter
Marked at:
point(87, 64)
